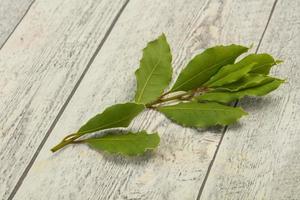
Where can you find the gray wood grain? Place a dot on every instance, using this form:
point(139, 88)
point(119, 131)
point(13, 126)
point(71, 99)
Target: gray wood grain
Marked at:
point(176, 170)
point(260, 157)
point(39, 66)
point(11, 12)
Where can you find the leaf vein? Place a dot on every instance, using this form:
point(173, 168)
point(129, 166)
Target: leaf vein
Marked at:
point(150, 75)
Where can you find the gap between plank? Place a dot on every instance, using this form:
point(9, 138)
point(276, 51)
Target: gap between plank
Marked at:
point(61, 111)
point(235, 104)
point(13, 30)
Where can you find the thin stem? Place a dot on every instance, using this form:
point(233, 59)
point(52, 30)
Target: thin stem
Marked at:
point(70, 136)
point(165, 94)
point(176, 97)
point(79, 141)
point(67, 140)
point(184, 96)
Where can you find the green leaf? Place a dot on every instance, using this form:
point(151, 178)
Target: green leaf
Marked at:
point(229, 74)
point(264, 62)
point(130, 144)
point(205, 65)
point(202, 114)
point(119, 115)
point(250, 80)
point(155, 71)
point(226, 97)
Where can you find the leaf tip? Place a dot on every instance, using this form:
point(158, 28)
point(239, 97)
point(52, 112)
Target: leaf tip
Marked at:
point(163, 35)
point(278, 62)
point(245, 113)
point(283, 80)
point(242, 111)
point(251, 46)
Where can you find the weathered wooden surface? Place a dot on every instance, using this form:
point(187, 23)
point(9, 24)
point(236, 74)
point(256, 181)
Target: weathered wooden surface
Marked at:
point(260, 157)
point(176, 170)
point(11, 13)
point(39, 66)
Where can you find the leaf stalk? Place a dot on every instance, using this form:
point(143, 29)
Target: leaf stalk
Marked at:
point(70, 139)
point(188, 95)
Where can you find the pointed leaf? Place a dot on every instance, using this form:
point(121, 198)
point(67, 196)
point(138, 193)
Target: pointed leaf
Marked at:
point(205, 65)
point(155, 71)
point(202, 114)
point(248, 81)
point(226, 97)
point(130, 144)
point(119, 115)
point(264, 62)
point(229, 74)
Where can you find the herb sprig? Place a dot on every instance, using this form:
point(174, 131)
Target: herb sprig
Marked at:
point(200, 96)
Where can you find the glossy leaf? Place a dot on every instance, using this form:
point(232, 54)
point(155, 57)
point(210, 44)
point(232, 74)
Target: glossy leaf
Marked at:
point(203, 66)
point(155, 71)
point(226, 97)
point(250, 80)
point(130, 144)
point(119, 115)
point(229, 74)
point(264, 62)
point(195, 114)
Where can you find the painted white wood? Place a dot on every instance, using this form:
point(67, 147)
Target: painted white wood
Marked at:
point(39, 66)
point(11, 12)
point(176, 170)
point(260, 157)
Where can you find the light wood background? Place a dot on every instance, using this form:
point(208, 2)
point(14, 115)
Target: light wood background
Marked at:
point(62, 61)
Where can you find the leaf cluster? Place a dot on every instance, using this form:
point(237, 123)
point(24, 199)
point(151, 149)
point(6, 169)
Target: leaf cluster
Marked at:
point(200, 97)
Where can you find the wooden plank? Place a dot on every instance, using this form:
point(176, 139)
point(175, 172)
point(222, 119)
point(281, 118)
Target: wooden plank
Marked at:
point(260, 157)
point(11, 12)
point(177, 169)
point(39, 66)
